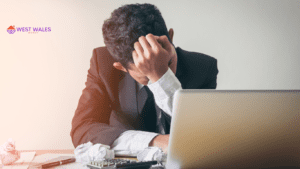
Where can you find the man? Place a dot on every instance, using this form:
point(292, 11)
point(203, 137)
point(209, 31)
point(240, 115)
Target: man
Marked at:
point(128, 98)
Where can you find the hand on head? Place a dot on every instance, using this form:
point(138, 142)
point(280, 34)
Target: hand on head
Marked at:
point(153, 55)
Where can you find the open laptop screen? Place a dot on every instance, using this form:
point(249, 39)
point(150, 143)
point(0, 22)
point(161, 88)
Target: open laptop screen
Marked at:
point(235, 129)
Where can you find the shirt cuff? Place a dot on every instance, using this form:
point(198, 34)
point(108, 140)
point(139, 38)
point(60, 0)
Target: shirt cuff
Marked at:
point(133, 140)
point(165, 87)
point(167, 84)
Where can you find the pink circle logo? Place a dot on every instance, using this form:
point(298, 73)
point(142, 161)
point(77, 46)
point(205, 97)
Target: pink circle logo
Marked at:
point(11, 29)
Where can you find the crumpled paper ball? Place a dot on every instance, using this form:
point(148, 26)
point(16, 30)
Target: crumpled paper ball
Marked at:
point(87, 152)
point(8, 153)
point(153, 154)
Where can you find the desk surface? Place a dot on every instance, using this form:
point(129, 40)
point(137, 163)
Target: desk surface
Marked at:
point(68, 151)
point(40, 152)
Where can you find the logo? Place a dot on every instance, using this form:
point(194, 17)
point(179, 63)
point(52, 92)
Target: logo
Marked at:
point(11, 29)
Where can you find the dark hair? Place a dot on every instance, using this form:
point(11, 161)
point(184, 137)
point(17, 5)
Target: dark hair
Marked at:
point(126, 25)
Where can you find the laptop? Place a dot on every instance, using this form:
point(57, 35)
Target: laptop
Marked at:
point(235, 129)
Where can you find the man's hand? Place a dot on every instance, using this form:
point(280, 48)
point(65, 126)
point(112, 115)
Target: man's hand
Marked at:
point(153, 55)
point(161, 141)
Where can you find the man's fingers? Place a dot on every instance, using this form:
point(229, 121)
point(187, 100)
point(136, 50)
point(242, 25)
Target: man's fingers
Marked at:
point(164, 41)
point(138, 48)
point(153, 42)
point(143, 41)
point(156, 37)
point(135, 56)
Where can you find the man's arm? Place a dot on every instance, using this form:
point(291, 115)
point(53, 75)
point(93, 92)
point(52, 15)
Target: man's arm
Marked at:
point(164, 90)
point(154, 56)
point(91, 119)
point(152, 59)
point(133, 140)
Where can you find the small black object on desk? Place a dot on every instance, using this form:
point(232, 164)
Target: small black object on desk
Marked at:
point(120, 164)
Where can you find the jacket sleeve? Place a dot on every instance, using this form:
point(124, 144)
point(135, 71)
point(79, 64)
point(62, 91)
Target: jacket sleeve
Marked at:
point(91, 119)
point(211, 80)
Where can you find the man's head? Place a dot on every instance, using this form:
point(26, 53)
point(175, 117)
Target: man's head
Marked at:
point(124, 28)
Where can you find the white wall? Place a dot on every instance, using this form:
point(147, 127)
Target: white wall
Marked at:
point(257, 44)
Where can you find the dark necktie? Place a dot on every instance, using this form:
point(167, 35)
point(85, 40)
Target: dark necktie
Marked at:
point(151, 117)
point(147, 111)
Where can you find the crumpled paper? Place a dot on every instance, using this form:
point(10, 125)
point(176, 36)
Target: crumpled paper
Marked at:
point(88, 152)
point(153, 154)
point(8, 153)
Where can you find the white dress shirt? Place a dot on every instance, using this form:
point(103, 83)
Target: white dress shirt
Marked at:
point(132, 141)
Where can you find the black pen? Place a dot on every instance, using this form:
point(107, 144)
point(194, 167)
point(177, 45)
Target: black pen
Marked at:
point(57, 163)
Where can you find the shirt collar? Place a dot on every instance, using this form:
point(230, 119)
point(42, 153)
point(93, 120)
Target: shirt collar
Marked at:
point(139, 86)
